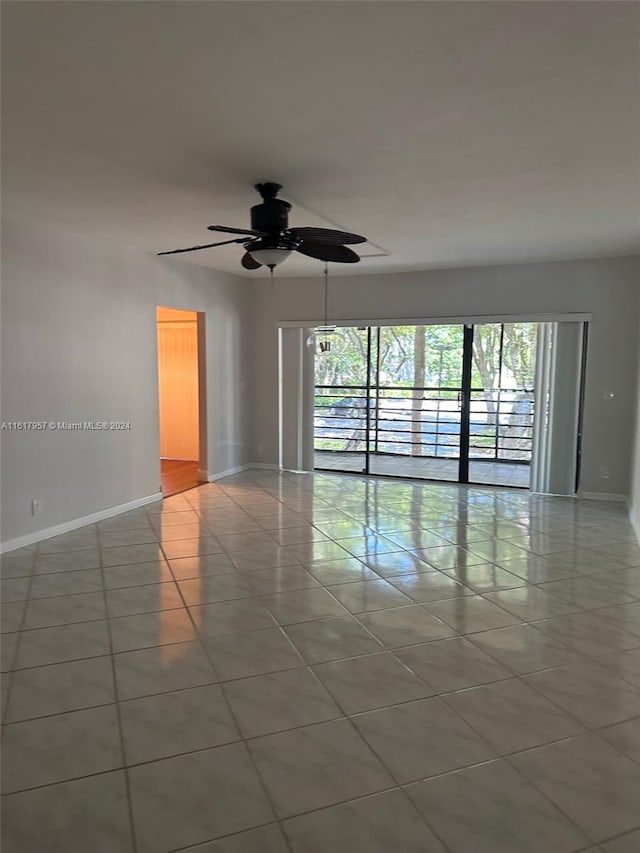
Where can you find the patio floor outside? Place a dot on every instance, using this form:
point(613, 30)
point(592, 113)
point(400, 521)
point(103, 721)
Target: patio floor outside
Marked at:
point(487, 472)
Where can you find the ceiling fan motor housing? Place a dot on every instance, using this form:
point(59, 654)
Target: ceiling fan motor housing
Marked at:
point(272, 216)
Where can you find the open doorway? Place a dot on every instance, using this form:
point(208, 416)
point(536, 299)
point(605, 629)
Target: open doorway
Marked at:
point(182, 404)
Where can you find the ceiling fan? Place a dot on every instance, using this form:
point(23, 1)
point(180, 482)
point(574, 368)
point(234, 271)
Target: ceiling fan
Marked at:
point(270, 241)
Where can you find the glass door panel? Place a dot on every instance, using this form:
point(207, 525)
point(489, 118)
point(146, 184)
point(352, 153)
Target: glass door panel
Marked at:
point(341, 395)
point(502, 403)
point(416, 394)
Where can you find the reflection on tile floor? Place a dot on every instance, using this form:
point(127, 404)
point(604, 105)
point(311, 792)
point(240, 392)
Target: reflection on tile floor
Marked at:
point(326, 664)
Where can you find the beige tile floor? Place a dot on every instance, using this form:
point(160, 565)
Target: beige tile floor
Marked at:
point(326, 664)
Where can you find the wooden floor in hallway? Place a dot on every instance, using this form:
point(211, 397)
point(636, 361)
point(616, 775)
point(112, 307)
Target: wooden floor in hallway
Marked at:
point(178, 475)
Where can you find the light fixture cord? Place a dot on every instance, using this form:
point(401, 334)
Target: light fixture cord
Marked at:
point(326, 295)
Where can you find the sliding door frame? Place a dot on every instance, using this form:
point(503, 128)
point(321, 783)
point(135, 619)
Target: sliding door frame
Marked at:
point(465, 403)
point(466, 322)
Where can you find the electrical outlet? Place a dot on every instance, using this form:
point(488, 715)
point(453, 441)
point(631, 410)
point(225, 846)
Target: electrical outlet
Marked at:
point(36, 507)
point(605, 472)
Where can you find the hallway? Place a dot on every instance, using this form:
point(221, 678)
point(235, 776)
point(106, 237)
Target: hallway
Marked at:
point(178, 475)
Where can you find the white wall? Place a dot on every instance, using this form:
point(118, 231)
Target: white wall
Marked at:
point(79, 344)
point(609, 289)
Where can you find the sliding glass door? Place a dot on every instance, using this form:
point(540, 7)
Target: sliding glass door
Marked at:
point(440, 402)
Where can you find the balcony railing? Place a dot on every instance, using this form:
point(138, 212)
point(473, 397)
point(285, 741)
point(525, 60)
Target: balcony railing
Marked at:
point(424, 422)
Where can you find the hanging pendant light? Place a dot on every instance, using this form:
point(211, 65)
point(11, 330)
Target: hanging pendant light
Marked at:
point(325, 339)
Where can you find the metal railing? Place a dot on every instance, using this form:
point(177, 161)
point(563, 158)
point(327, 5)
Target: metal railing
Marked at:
point(415, 421)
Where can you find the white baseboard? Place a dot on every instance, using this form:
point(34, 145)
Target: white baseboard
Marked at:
point(240, 468)
point(602, 496)
point(634, 518)
point(68, 526)
point(228, 473)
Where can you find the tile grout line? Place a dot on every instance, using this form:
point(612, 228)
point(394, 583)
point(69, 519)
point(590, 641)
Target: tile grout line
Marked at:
point(469, 636)
point(354, 616)
point(127, 781)
point(543, 794)
point(396, 785)
point(6, 705)
point(238, 728)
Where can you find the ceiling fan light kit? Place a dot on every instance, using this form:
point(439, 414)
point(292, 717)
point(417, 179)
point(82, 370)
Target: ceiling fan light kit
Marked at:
point(270, 257)
point(270, 253)
point(270, 241)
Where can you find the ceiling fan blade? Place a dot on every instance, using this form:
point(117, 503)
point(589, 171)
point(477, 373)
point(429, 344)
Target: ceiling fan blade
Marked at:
point(206, 246)
point(326, 235)
point(328, 252)
point(249, 263)
point(226, 230)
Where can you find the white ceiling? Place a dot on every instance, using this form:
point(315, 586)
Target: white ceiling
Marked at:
point(449, 133)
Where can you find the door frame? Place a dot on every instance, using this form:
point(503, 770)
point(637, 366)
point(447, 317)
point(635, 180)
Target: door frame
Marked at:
point(465, 402)
point(201, 343)
point(203, 457)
